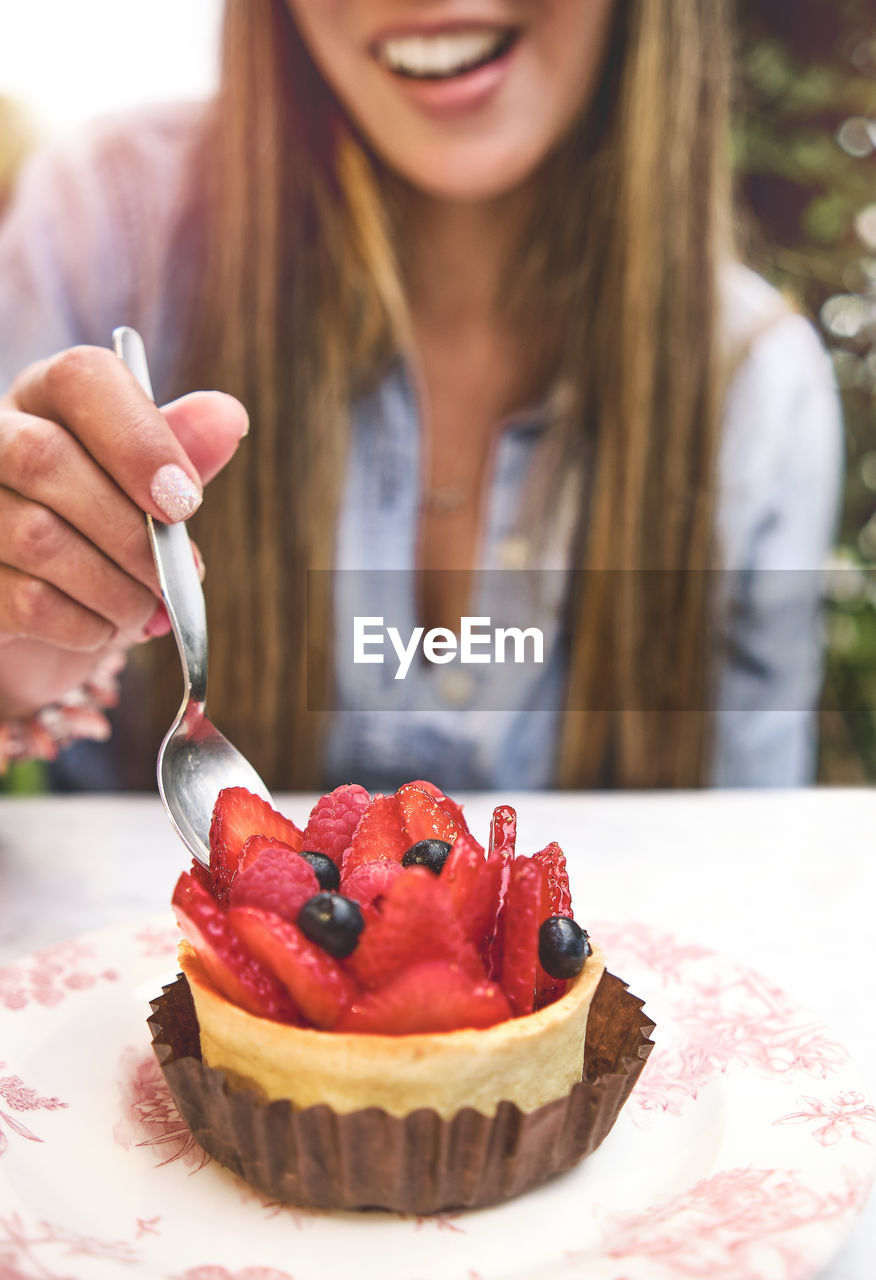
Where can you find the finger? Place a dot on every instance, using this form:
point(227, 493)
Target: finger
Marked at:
point(90, 392)
point(39, 543)
point(209, 425)
point(32, 609)
point(41, 461)
point(35, 674)
point(199, 560)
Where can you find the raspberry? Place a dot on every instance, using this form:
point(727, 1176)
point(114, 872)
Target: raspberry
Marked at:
point(277, 881)
point(333, 820)
point(316, 982)
point(237, 815)
point(379, 834)
point(423, 817)
point(416, 923)
point(433, 996)
point(368, 882)
point(229, 965)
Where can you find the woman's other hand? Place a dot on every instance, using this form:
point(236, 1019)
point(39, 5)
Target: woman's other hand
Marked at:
point(83, 454)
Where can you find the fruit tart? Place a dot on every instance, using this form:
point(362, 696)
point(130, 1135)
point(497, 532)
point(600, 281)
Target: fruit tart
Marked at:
point(378, 1011)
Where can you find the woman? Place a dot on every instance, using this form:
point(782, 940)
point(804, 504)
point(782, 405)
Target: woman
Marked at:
point(400, 227)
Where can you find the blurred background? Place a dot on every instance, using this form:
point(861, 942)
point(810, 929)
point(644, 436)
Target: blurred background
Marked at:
point(805, 139)
point(805, 150)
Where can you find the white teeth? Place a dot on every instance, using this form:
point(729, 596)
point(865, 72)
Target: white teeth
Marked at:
point(440, 55)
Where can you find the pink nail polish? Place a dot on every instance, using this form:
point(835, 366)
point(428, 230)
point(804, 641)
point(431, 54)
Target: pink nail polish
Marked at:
point(199, 562)
point(174, 493)
point(158, 624)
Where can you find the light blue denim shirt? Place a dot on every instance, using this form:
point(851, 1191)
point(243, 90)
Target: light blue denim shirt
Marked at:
point(89, 237)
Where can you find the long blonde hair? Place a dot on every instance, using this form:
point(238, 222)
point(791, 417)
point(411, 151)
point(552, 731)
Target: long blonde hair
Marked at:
point(302, 304)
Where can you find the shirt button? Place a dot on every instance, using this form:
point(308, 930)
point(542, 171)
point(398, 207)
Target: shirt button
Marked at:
point(457, 688)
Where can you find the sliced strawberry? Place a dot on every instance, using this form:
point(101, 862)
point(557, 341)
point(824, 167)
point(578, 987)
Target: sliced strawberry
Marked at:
point(255, 846)
point(553, 860)
point(368, 882)
point(556, 901)
point(474, 883)
point(423, 817)
point(202, 875)
point(429, 787)
point(279, 880)
point(379, 834)
point(433, 996)
point(495, 944)
point(237, 815)
point(503, 838)
point(503, 831)
point(416, 923)
point(450, 807)
point(229, 965)
point(316, 982)
point(521, 918)
point(333, 820)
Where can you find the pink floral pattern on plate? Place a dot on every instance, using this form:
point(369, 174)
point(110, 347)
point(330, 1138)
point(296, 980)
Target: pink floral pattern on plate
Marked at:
point(843, 1113)
point(43, 1250)
point(737, 1225)
point(18, 1097)
point(158, 940)
point(213, 1271)
point(767, 1198)
point(723, 1017)
point(49, 976)
point(149, 1117)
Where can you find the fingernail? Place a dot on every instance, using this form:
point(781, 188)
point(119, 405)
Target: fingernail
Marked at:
point(175, 493)
point(199, 562)
point(158, 624)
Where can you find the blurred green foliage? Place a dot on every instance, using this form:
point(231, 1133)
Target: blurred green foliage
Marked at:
point(805, 140)
point(24, 778)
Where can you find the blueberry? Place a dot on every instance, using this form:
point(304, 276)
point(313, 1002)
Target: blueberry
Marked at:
point(332, 922)
point(563, 946)
point(327, 873)
point(427, 853)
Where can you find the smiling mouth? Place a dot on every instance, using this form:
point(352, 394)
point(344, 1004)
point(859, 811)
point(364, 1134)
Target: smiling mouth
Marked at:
point(443, 56)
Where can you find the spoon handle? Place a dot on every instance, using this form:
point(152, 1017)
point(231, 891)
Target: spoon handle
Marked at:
point(174, 558)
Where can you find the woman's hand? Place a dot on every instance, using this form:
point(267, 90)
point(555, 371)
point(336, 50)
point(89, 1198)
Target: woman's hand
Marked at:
point(83, 454)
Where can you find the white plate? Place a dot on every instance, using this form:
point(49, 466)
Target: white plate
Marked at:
point(743, 1154)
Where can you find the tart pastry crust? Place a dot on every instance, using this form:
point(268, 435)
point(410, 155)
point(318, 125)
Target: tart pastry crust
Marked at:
point(529, 1061)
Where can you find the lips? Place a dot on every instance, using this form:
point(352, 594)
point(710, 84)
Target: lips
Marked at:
point(443, 55)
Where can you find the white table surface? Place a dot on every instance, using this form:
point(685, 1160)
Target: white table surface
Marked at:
point(785, 881)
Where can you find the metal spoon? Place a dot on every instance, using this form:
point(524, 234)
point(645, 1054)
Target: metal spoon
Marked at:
point(195, 761)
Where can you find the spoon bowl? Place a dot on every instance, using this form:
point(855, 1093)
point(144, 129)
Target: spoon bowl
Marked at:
point(195, 761)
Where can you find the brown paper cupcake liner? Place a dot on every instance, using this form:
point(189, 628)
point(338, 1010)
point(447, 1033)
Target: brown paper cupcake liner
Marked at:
point(418, 1163)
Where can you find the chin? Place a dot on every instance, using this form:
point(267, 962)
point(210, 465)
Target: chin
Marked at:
point(486, 172)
